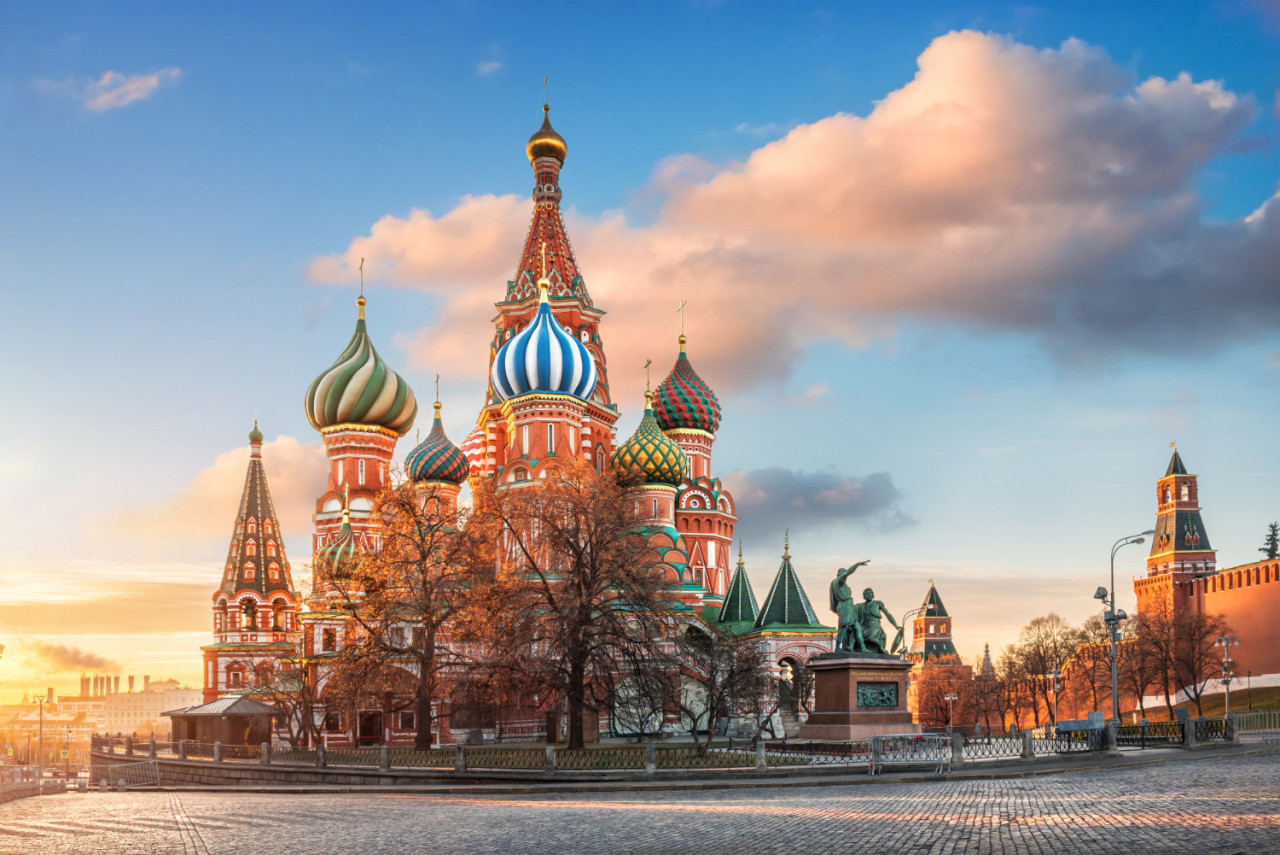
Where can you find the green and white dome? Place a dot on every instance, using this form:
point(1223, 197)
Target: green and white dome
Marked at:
point(360, 389)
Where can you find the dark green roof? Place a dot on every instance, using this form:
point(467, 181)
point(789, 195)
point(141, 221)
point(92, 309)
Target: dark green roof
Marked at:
point(787, 602)
point(740, 601)
point(932, 599)
point(1176, 466)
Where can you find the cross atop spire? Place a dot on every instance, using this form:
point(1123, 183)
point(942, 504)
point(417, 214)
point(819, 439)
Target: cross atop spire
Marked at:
point(360, 301)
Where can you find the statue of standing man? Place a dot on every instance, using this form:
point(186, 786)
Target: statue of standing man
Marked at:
point(849, 628)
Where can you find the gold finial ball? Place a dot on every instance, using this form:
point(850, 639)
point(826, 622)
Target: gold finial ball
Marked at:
point(546, 142)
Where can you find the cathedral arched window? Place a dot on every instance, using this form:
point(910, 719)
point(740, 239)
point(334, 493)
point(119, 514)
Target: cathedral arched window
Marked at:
point(360, 472)
point(253, 526)
point(251, 548)
point(1167, 494)
point(271, 549)
point(274, 572)
point(268, 527)
point(278, 616)
point(329, 639)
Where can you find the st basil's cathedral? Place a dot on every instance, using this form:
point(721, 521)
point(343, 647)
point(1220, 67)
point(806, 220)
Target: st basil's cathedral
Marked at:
point(548, 400)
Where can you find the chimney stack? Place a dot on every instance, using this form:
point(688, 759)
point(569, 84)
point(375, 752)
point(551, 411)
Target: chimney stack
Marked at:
point(146, 683)
point(117, 688)
point(49, 699)
point(131, 684)
point(84, 686)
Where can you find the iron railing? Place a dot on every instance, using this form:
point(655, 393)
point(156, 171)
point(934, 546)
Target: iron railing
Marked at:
point(818, 753)
point(604, 757)
point(1213, 730)
point(1153, 734)
point(142, 773)
point(911, 750)
point(1258, 725)
point(991, 747)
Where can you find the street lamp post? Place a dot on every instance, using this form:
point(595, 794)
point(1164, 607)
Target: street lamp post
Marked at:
point(1055, 682)
point(1113, 616)
point(951, 710)
point(1226, 642)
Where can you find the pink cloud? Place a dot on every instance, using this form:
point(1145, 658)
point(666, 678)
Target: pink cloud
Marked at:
point(205, 509)
point(1002, 187)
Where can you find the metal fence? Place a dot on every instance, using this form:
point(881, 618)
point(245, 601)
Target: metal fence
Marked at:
point(1258, 725)
point(605, 757)
point(926, 750)
point(1047, 740)
point(1152, 734)
point(818, 753)
point(1213, 730)
point(506, 758)
point(142, 773)
point(991, 747)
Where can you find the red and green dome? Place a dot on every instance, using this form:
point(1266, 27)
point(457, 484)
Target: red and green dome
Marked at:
point(360, 389)
point(683, 401)
point(436, 458)
point(652, 452)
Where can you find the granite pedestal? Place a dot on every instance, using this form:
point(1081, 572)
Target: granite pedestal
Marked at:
point(857, 697)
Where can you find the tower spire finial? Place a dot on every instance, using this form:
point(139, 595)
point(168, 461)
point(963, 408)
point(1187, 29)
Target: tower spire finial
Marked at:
point(680, 309)
point(544, 282)
point(437, 390)
point(360, 301)
point(647, 363)
point(786, 544)
point(545, 77)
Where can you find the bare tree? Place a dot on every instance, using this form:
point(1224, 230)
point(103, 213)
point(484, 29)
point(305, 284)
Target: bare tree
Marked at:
point(1138, 669)
point(715, 673)
point(573, 546)
point(1046, 643)
point(1154, 633)
point(290, 687)
point(405, 596)
point(1196, 661)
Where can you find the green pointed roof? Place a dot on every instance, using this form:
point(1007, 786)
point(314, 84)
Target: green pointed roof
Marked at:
point(787, 603)
point(932, 604)
point(1176, 466)
point(740, 602)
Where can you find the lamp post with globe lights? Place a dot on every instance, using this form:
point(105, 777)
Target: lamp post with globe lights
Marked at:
point(951, 710)
point(1113, 616)
point(1226, 642)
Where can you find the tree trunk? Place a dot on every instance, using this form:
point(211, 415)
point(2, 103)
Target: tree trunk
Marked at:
point(426, 688)
point(575, 699)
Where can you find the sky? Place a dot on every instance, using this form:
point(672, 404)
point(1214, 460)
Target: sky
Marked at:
point(959, 273)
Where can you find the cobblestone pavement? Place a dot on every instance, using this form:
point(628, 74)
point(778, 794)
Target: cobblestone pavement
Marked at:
point(1208, 806)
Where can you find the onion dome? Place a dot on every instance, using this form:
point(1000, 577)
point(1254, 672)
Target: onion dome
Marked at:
point(545, 142)
point(543, 357)
point(360, 389)
point(436, 458)
point(652, 452)
point(684, 401)
point(255, 435)
point(474, 447)
point(338, 557)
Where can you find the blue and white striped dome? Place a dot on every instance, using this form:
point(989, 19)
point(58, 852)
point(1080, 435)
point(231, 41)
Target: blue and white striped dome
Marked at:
point(543, 358)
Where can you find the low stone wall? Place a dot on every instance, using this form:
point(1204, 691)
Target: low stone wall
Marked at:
point(207, 773)
point(10, 790)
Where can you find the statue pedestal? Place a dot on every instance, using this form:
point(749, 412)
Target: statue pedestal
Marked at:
point(857, 697)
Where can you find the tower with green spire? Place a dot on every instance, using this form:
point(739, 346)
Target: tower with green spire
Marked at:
point(786, 608)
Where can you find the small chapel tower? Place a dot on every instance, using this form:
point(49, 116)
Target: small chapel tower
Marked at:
point(255, 609)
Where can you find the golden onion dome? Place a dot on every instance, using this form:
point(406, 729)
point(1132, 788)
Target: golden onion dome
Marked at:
point(546, 142)
point(650, 451)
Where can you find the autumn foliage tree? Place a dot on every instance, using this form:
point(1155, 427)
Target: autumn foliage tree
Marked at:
point(715, 673)
point(575, 569)
point(403, 598)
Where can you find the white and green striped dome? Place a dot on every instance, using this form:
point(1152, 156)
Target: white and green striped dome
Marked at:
point(359, 388)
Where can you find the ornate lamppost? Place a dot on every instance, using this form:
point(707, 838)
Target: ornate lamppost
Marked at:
point(1113, 616)
point(1226, 642)
point(951, 710)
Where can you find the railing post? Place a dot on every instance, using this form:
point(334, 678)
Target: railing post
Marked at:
point(320, 761)
point(1028, 746)
point(128, 746)
point(182, 749)
point(650, 758)
point(151, 752)
point(762, 760)
point(384, 758)
point(460, 757)
point(1111, 738)
point(264, 754)
point(1189, 734)
point(551, 758)
point(1233, 730)
point(217, 752)
point(957, 749)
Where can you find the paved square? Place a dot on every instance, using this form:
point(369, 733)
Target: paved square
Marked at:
point(1207, 806)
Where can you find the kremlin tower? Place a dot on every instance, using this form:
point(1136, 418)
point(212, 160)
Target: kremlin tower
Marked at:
point(1180, 550)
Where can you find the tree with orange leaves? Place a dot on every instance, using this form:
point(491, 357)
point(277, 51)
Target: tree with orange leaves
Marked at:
point(575, 572)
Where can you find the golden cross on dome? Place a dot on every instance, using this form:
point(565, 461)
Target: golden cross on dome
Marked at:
point(647, 363)
point(437, 388)
point(786, 544)
point(362, 276)
point(544, 89)
point(680, 309)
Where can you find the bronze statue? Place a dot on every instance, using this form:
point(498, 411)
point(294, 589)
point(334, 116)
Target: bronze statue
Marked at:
point(859, 629)
point(872, 634)
point(848, 632)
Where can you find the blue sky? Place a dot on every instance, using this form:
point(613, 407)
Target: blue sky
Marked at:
point(174, 261)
